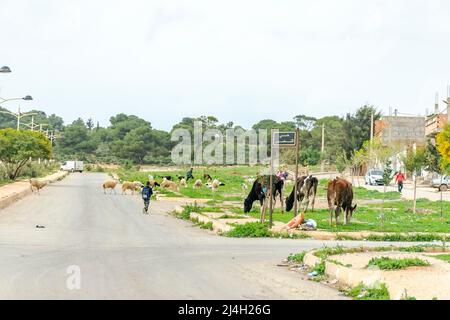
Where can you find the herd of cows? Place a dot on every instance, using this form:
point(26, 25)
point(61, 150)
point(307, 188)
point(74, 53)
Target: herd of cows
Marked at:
point(339, 195)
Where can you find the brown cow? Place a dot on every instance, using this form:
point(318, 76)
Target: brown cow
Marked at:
point(340, 196)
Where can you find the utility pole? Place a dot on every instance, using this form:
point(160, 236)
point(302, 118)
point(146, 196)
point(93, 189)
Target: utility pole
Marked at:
point(322, 149)
point(297, 147)
point(371, 138)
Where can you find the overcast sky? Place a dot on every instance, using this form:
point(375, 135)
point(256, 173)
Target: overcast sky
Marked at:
point(241, 61)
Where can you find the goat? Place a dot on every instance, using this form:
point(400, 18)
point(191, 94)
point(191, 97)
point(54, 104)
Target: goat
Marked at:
point(183, 182)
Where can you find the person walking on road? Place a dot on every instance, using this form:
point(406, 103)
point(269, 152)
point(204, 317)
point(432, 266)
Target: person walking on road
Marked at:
point(147, 192)
point(399, 178)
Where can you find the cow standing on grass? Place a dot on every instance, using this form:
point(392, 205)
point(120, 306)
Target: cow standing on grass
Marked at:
point(306, 193)
point(340, 196)
point(260, 191)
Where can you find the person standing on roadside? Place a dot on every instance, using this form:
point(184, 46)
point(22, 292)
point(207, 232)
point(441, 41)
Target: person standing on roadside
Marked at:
point(399, 178)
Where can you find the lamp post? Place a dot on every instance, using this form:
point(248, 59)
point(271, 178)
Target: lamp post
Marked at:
point(19, 115)
point(5, 69)
point(26, 98)
point(31, 125)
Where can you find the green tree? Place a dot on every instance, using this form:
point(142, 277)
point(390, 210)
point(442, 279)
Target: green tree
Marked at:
point(17, 147)
point(357, 126)
point(432, 158)
point(443, 146)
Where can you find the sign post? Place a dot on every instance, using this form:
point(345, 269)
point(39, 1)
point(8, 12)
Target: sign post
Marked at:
point(285, 140)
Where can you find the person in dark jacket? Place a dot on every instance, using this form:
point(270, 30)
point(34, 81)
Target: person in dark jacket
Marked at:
point(147, 192)
point(189, 174)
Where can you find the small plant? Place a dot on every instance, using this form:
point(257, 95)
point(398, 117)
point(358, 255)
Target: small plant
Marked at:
point(386, 263)
point(405, 296)
point(250, 230)
point(412, 249)
point(319, 268)
point(297, 258)
point(206, 225)
point(378, 291)
point(186, 214)
point(326, 252)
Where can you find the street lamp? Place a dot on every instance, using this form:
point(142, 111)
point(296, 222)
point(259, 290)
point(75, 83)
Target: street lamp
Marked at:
point(5, 69)
point(19, 115)
point(26, 98)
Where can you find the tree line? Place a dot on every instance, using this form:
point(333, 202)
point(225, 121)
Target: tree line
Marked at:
point(129, 138)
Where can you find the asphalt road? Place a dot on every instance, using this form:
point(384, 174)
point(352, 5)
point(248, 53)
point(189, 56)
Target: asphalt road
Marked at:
point(122, 254)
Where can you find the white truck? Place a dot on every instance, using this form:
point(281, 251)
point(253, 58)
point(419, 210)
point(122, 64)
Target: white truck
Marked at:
point(73, 166)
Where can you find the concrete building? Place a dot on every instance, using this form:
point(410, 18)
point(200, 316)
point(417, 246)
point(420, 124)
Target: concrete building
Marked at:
point(436, 121)
point(401, 130)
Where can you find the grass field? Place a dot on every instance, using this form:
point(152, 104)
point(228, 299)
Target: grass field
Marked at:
point(395, 215)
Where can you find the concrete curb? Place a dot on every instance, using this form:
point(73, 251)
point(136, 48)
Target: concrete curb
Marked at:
point(25, 189)
point(346, 276)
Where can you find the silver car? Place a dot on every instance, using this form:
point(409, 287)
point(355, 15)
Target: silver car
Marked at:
point(441, 182)
point(374, 177)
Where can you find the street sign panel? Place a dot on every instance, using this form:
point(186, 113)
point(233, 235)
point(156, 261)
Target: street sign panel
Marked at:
point(286, 139)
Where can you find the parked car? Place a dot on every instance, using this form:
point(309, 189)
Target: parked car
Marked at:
point(374, 177)
point(441, 182)
point(73, 166)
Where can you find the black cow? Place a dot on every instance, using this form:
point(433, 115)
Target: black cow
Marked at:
point(258, 192)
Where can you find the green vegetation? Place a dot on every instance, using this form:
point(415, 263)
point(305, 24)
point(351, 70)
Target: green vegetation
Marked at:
point(406, 238)
point(250, 230)
point(386, 263)
point(206, 225)
point(297, 258)
point(319, 268)
point(378, 291)
point(444, 257)
point(18, 147)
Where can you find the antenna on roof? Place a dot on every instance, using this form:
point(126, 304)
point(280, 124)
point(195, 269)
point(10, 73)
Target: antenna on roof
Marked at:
point(436, 103)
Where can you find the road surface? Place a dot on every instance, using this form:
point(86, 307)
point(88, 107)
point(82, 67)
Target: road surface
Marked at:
point(122, 254)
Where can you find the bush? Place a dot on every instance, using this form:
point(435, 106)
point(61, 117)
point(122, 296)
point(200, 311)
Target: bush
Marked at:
point(297, 258)
point(386, 263)
point(250, 230)
point(377, 292)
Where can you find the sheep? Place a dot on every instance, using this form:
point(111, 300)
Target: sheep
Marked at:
point(207, 177)
point(197, 184)
point(35, 183)
point(183, 183)
point(110, 184)
point(167, 184)
point(133, 186)
point(215, 185)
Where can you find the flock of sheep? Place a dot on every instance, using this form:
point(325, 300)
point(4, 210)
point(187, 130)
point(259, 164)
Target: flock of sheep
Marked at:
point(166, 183)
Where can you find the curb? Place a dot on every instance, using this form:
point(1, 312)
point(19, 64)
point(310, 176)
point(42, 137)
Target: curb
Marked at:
point(9, 199)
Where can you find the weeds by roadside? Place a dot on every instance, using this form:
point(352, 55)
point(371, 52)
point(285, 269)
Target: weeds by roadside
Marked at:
point(386, 263)
point(378, 291)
